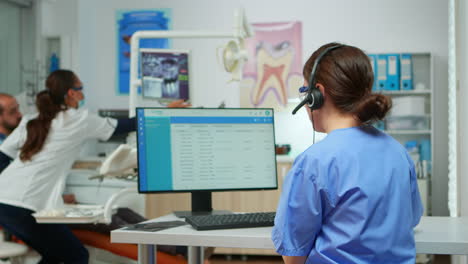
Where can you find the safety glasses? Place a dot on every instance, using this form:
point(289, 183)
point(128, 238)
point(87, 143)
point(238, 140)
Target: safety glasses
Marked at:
point(303, 92)
point(77, 88)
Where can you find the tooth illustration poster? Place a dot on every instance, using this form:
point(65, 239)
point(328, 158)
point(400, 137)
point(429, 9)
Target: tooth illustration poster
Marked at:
point(273, 72)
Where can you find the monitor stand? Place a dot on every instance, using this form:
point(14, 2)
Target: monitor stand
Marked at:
point(201, 205)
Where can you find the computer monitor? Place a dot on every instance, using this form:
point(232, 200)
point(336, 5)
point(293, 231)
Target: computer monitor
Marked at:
point(165, 74)
point(201, 150)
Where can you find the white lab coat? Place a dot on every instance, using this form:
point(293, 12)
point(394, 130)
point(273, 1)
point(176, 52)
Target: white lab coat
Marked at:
point(38, 184)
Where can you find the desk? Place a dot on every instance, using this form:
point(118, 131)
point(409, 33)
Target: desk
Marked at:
point(442, 235)
point(434, 235)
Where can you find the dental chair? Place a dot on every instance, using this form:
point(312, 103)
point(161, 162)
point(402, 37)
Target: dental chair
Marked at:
point(12, 251)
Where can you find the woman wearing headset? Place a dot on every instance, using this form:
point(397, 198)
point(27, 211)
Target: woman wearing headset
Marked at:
point(35, 159)
point(352, 197)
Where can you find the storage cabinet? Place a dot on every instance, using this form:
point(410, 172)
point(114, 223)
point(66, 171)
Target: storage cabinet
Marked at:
point(411, 121)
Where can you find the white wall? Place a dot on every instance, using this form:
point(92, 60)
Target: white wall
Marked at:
point(10, 51)
point(16, 46)
point(57, 19)
point(374, 26)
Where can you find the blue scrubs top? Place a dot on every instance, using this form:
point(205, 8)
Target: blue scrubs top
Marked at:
point(350, 198)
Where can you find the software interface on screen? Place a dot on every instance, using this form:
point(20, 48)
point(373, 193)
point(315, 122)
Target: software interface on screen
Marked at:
point(205, 149)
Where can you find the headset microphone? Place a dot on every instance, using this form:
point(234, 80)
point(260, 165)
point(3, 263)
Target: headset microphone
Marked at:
point(301, 104)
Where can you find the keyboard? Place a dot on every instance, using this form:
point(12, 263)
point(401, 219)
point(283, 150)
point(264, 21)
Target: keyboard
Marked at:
point(225, 221)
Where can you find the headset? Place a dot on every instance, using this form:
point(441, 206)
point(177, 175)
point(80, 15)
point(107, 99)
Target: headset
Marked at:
point(314, 98)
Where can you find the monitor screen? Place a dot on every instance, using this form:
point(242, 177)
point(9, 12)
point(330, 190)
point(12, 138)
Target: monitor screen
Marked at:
point(165, 74)
point(203, 149)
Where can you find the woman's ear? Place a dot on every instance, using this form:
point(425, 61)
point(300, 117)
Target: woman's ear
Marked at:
point(69, 93)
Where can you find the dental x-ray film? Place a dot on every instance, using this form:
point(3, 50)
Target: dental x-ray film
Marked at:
point(165, 74)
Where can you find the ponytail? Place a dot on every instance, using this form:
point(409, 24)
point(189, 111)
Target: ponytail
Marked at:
point(38, 128)
point(49, 103)
point(373, 107)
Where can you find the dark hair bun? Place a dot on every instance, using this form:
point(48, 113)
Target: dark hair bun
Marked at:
point(373, 107)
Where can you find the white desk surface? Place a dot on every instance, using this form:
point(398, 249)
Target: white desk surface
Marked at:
point(187, 236)
point(442, 235)
point(433, 235)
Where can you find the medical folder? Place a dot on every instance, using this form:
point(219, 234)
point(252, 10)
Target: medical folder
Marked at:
point(381, 71)
point(393, 72)
point(406, 62)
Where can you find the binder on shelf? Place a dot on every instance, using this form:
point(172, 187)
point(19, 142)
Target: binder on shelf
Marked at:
point(406, 62)
point(373, 61)
point(381, 72)
point(425, 149)
point(393, 72)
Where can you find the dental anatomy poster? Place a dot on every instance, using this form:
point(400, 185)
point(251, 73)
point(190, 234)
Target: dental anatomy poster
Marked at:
point(273, 72)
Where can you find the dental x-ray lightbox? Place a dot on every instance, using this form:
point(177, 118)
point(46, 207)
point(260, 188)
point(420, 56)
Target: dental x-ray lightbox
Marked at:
point(165, 74)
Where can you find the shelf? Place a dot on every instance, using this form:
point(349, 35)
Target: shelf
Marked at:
point(408, 132)
point(405, 92)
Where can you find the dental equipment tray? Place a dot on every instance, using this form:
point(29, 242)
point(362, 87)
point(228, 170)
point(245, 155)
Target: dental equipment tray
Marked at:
point(72, 214)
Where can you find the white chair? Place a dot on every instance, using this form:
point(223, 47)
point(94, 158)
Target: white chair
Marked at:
point(12, 251)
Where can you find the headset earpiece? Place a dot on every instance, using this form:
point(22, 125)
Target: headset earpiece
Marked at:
point(314, 98)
